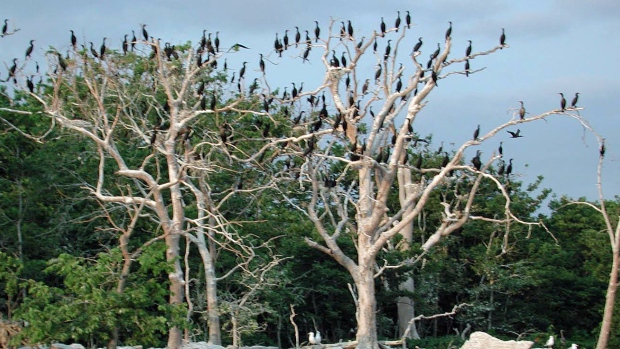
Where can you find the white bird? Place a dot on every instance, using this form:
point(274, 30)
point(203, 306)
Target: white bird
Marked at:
point(550, 342)
point(574, 346)
point(317, 337)
point(311, 338)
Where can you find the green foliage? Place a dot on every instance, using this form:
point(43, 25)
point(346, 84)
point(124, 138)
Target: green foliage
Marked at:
point(89, 306)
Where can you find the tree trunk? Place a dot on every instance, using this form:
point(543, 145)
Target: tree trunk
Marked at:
point(367, 306)
point(610, 298)
point(406, 311)
point(213, 312)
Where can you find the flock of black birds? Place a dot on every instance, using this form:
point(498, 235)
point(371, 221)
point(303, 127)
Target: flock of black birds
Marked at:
point(211, 46)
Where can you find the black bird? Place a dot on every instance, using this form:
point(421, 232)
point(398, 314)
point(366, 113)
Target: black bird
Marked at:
point(133, 40)
point(562, 101)
point(213, 103)
point(285, 39)
point(388, 49)
point(509, 168)
point(446, 160)
point(261, 63)
point(304, 58)
point(30, 48)
point(125, 45)
point(500, 149)
point(573, 104)
point(145, 33)
point(203, 39)
point(374, 46)
point(335, 62)
point(93, 51)
point(350, 29)
point(408, 20)
point(476, 160)
point(242, 71)
point(317, 125)
point(365, 86)
point(502, 40)
point(73, 40)
point(298, 118)
point(382, 27)
point(102, 48)
point(30, 84)
point(418, 163)
point(476, 133)
point(467, 68)
point(347, 81)
point(343, 60)
point(468, 50)
point(297, 36)
point(343, 31)
point(397, 22)
point(308, 40)
point(436, 53)
point(602, 149)
point(449, 31)
point(317, 31)
point(515, 134)
point(359, 44)
point(216, 41)
point(5, 27)
point(294, 92)
point(378, 72)
point(417, 46)
point(61, 62)
point(310, 148)
point(399, 84)
point(203, 102)
point(522, 111)
point(434, 77)
point(500, 170)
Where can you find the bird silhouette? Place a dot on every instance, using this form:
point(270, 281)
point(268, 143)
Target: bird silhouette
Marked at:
point(515, 134)
point(573, 104)
point(562, 101)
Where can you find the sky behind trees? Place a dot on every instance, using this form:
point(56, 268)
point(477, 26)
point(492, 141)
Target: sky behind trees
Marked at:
point(555, 46)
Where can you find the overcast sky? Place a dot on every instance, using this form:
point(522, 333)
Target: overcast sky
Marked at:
point(555, 46)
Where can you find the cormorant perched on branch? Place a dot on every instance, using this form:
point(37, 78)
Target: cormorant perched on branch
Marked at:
point(29, 49)
point(436, 53)
point(602, 149)
point(562, 101)
point(449, 31)
point(102, 48)
point(73, 40)
point(297, 36)
point(5, 27)
point(378, 72)
point(476, 133)
point(500, 149)
point(350, 29)
point(30, 84)
point(515, 134)
point(417, 46)
point(521, 111)
point(397, 22)
point(573, 104)
point(388, 50)
point(93, 51)
point(468, 50)
point(61, 61)
point(125, 45)
point(467, 68)
point(509, 168)
point(144, 32)
point(476, 160)
point(261, 63)
point(317, 31)
point(382, 26)
point(500, 170)
point(408, 20)
point(242, 71)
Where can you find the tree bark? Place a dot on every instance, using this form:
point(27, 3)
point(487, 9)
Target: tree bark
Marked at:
point(610, 298)
point(367, 305)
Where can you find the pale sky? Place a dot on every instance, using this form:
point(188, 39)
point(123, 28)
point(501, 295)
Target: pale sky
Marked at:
point(555, 46)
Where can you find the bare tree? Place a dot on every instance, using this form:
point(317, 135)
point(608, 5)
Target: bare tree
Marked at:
point(348, 169)
point(162, 128)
